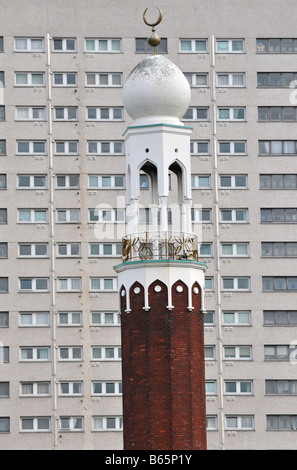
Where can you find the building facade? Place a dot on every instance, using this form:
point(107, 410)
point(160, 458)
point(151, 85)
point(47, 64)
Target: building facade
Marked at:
point(62, 214)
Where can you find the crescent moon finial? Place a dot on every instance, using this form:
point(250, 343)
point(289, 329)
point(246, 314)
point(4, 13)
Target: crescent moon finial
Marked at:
point(154, 39)
point(158, 20)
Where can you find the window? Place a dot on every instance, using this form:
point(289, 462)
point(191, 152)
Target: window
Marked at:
point(29, 44)
point(37, 147)
point(281, 422)
point(236, 283)
point(230, 45)
point(234, 216)
point(280, 317)
point(209, 318)
point(35, 424)
point(30, 113)
point(277, 113)
point(240, 318)
point(197, 79)
point(104, 79)
point(231, 114)
point(205, 249)
point(233, 181)
point(279, 283)
point(107, 423)
point(67, 181)
point(279, 249)
point(193, 45)
point(240, 423)
point(103, 45)
point(2, 147)
point(36, 319)
point(105, 249)
point(32, 181)
point(106, 388)
point(30, 79)
point(106, 353)
point(70, 318)
point(70, 388)
point(209, 353)
point(4, 389)
point(3, 181)
point(238, 387)
point(4, 319)
point(32, 215)
point(232, 148)
point(201, 215)
point(36, 353)
point(1, 44)
point(3, 216)
point(4, 424)
point(278, 181)
point(70, 353)
point(106, 181)
point(276, 46)
point(275, 79)
point(68, 249)
point(64, 44)
point(68, 215)
point(281, 387)
point(105, 114)
point(2, 113)
point(209, 283)
point(197, 114)
point(276, 352)
point(34, 284)
point(199, 147)
point(142, 45)
point(30, 250)
point(73, 423)
point(210, 387)
point(231, 79)
point(28, 389)
point(277, 147)
point(95, 147)
point(238, 353)
point(105, 318)
point(3, 250)
point(65, 79)
point(200, 181)
point(4, 354)
point(3, 284)
point(238, 249)
point(103, 283)
point(66, 147)
point(66, 113)
point(69, 284)
point(106, 215)
point(279, 216)
point(211, 423)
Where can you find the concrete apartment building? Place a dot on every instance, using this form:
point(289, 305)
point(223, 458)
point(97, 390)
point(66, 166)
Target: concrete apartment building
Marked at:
point(62, 155)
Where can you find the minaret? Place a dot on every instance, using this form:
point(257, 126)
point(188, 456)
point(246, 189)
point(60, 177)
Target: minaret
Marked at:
point(161, 281)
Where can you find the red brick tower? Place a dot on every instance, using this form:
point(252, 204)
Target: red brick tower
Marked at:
point(161, 281)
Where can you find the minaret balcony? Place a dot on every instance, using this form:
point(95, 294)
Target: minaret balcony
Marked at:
point(160, 245)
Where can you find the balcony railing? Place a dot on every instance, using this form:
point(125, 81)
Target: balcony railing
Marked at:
point(160, 245)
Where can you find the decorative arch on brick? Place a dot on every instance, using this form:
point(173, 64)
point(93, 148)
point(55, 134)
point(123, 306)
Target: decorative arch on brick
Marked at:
point(179, 294)
point(123, 299)
point(196, 296)
point(136, 297)
point(158, 293)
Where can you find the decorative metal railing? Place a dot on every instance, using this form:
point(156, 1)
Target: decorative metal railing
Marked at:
point(159, 245)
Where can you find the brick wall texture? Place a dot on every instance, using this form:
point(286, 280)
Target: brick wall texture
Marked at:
point(163, 370)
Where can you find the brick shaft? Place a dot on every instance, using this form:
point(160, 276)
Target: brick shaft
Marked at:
point(163, 370)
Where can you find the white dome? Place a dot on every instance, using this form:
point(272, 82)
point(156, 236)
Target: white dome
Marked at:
point(156, 91)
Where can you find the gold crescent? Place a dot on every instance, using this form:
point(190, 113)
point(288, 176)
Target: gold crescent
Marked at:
point(158, 20)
